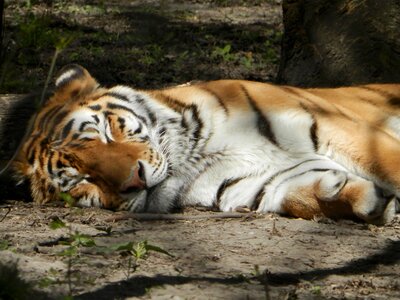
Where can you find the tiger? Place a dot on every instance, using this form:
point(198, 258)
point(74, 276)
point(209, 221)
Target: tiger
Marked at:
point(227, 145)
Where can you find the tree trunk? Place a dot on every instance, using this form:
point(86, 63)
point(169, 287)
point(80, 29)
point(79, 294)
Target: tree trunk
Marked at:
point(340, 42)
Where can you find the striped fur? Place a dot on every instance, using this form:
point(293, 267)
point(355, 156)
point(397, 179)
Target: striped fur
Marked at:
point(224, 144)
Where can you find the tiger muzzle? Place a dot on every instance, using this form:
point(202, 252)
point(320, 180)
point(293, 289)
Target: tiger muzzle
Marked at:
point(136, 180)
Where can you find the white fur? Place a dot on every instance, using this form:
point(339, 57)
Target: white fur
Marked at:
point(65, 76)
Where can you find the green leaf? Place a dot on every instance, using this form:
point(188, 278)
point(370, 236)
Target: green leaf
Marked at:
point(226, 49)
point(46, 282)
point(140, 250)
point(68, 199)
point(4, 245)
point(122, 247)
point(57, 223)
point(84, 240)
point(63, 42)
point(154, 248)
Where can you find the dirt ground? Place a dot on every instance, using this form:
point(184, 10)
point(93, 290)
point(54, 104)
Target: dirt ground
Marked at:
point(152, 44)
point(253, 257)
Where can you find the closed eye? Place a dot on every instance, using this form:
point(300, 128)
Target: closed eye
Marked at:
point(139, 129)
point(91, 130)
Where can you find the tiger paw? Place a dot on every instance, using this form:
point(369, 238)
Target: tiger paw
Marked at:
point(330, 185)
point(378, 205)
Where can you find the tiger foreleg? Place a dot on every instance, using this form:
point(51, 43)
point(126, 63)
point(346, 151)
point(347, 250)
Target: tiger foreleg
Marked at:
point(333, 193)
point(337, 194)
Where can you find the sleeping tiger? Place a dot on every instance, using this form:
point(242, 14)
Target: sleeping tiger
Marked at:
point(226, 144)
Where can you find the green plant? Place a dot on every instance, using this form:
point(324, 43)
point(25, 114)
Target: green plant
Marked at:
point(68, 199)
point(223, 52)
point(136, 252)
point(247, 60)
point(316, 290)
point(74, 242)
point(60, 45)
point(4, 245)
point(151, 55)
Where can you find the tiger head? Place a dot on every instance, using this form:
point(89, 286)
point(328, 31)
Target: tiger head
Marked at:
point(99, 145)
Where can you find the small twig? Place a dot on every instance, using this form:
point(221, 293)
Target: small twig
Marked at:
point(161, 217)
point(8, 211)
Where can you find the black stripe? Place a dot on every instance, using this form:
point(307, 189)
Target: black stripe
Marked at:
point(184, 124)
point(272, 178)
point(108, 113)
point(51, 189)
point(302, 173)
point(96, 119)
point(314, 135)
point(59, 118)
point(301, 98)
point(64, 182)
point(87, 139)
point(258, 198)
point(223, 187)
point(139, 129)
point(67, 129)
point(261, 192)
point(174, 104)
point(393, 99)
point(43, 151)
point(60, 164)
point(150, 114)
point(83, 124)
point(31, 149)
point(96, 107)
point(117, 96)
point(123, 107)
point(263, 124)
point(220, 102)
point(48, 115)
point(152, 117)
point(50, 163)
point(139, 99)
point(108, 140)
point(121, 122)
point(199, 124)
point(313, 128)
point(43, 188)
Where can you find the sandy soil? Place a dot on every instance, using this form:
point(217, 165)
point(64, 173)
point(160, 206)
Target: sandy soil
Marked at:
point(253, 257)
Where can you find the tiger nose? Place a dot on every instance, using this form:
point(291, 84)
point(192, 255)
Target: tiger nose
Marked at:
point(136, 179)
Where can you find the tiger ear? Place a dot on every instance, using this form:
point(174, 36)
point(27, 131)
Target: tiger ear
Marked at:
point(73, 81)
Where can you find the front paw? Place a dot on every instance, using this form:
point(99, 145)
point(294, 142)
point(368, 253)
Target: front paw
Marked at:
point(90, 195)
